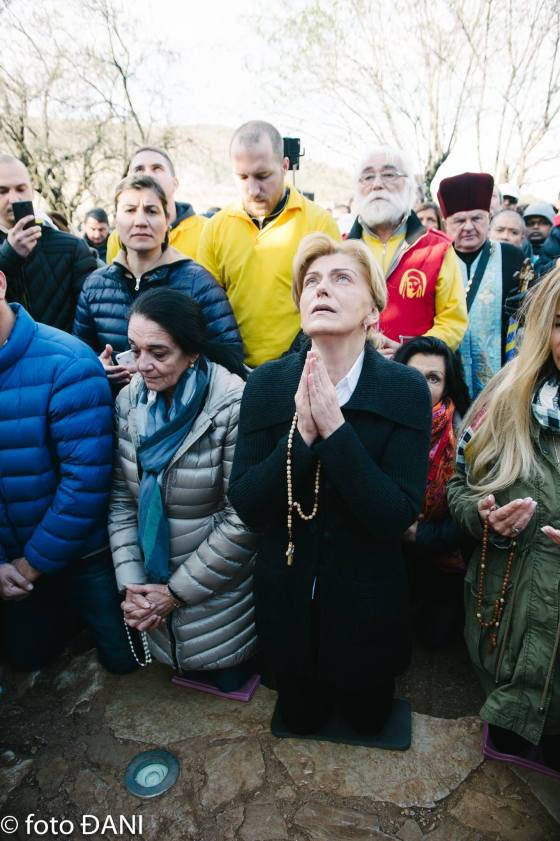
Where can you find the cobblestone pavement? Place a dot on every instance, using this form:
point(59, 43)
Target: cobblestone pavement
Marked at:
point(68, 733)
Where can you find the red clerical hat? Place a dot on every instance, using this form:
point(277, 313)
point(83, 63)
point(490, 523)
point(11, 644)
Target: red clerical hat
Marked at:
point(468, 191)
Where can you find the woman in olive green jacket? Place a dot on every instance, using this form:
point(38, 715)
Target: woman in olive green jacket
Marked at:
point(506, 495)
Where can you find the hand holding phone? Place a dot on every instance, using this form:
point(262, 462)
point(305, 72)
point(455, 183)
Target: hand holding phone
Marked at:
point(23, 237)
point(117, 375)
point(127, 360)
point(21, 209)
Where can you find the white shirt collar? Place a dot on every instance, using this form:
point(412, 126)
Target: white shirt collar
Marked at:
point(346, 386)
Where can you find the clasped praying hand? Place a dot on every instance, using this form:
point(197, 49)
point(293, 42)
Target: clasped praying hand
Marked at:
point(145, 606)
point(316, 401)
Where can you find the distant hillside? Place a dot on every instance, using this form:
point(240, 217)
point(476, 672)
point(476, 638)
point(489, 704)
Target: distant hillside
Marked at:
point(202, 161)
point(201, 157)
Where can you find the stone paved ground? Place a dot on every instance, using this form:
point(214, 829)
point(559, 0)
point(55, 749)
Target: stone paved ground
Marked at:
point(68, 733)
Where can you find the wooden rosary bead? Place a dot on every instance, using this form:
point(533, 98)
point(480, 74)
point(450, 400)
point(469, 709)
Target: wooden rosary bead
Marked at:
point(499, 604)
point(293, 504)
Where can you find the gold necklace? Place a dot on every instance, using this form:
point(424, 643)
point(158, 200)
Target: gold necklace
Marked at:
point(292, 504)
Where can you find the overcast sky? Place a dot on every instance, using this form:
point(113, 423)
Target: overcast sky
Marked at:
point(219, 83)
point(216, 79)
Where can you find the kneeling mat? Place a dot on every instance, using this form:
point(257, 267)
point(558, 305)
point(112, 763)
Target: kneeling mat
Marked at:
point(533, 760)
point(244, 693)
point(396, 735)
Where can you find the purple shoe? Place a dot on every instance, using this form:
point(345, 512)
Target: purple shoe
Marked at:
point(532, 760)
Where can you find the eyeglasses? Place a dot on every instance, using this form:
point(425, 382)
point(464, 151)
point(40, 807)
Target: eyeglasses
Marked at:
point(386, 177)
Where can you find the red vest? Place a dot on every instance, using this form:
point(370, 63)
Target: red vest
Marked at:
point(411, 287)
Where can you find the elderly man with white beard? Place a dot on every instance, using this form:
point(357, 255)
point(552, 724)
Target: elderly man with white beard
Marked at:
point(425, 290)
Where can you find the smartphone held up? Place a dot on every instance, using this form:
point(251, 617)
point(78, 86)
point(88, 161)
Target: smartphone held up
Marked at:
point(21, 209)
point(127, 360)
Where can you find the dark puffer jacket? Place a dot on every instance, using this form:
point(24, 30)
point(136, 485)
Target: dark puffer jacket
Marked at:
point(55, 447)
point(107, 295)
point(49, 281)
point(550, 252)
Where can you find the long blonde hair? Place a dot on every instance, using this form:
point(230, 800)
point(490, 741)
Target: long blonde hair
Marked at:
point(501, 450)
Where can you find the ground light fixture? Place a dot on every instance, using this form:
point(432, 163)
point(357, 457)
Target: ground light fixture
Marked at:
point(151, 773)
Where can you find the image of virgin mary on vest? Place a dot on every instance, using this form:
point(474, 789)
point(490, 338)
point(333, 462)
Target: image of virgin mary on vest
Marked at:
point(425, 294)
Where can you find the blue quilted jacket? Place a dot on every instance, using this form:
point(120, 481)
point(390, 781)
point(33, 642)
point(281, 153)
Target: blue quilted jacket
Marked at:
point(55, 446)
point(108, 293)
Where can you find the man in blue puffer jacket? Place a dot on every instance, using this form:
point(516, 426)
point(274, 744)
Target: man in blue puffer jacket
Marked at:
point(55, 472)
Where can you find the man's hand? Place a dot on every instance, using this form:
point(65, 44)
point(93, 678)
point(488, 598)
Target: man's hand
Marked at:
point(409, 536)
point(13, 585)
point(22, 240)
point(116, 374)
point(388, 348)
point(24, 568)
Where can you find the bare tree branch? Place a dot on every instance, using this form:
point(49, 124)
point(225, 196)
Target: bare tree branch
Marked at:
point(72, 106)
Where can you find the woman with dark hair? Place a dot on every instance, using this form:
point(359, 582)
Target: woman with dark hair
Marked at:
point(145, 261)
point(433, 541)
point(330, 465)
point(182, 556)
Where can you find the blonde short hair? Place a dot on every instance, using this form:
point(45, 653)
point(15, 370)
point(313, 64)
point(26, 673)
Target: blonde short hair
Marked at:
point(318, 245)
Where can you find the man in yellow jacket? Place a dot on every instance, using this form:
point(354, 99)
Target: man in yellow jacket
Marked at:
point(185, 226)
point(249, 246)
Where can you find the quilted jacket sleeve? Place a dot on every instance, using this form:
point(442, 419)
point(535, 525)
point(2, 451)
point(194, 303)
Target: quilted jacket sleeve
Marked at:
point(220, 320)
point(5, 530)
point(123, 511)
point(84, 324)
point(229, 546)
point(80, 425)
point(123, 532)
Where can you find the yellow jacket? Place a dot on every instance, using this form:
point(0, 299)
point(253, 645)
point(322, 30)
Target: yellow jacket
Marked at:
point(184, 234)
point(255, 268)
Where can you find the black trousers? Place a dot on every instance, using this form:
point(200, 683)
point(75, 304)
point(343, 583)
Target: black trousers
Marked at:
point(36, 629)
point(306, 702)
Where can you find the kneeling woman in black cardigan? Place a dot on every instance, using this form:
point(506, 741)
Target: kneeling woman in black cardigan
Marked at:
point(330, 466)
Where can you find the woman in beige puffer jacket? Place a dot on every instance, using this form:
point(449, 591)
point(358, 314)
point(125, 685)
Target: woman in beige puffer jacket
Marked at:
point(211, 551)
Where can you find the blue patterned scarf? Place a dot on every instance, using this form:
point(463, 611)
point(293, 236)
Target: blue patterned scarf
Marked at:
point(162, 429)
